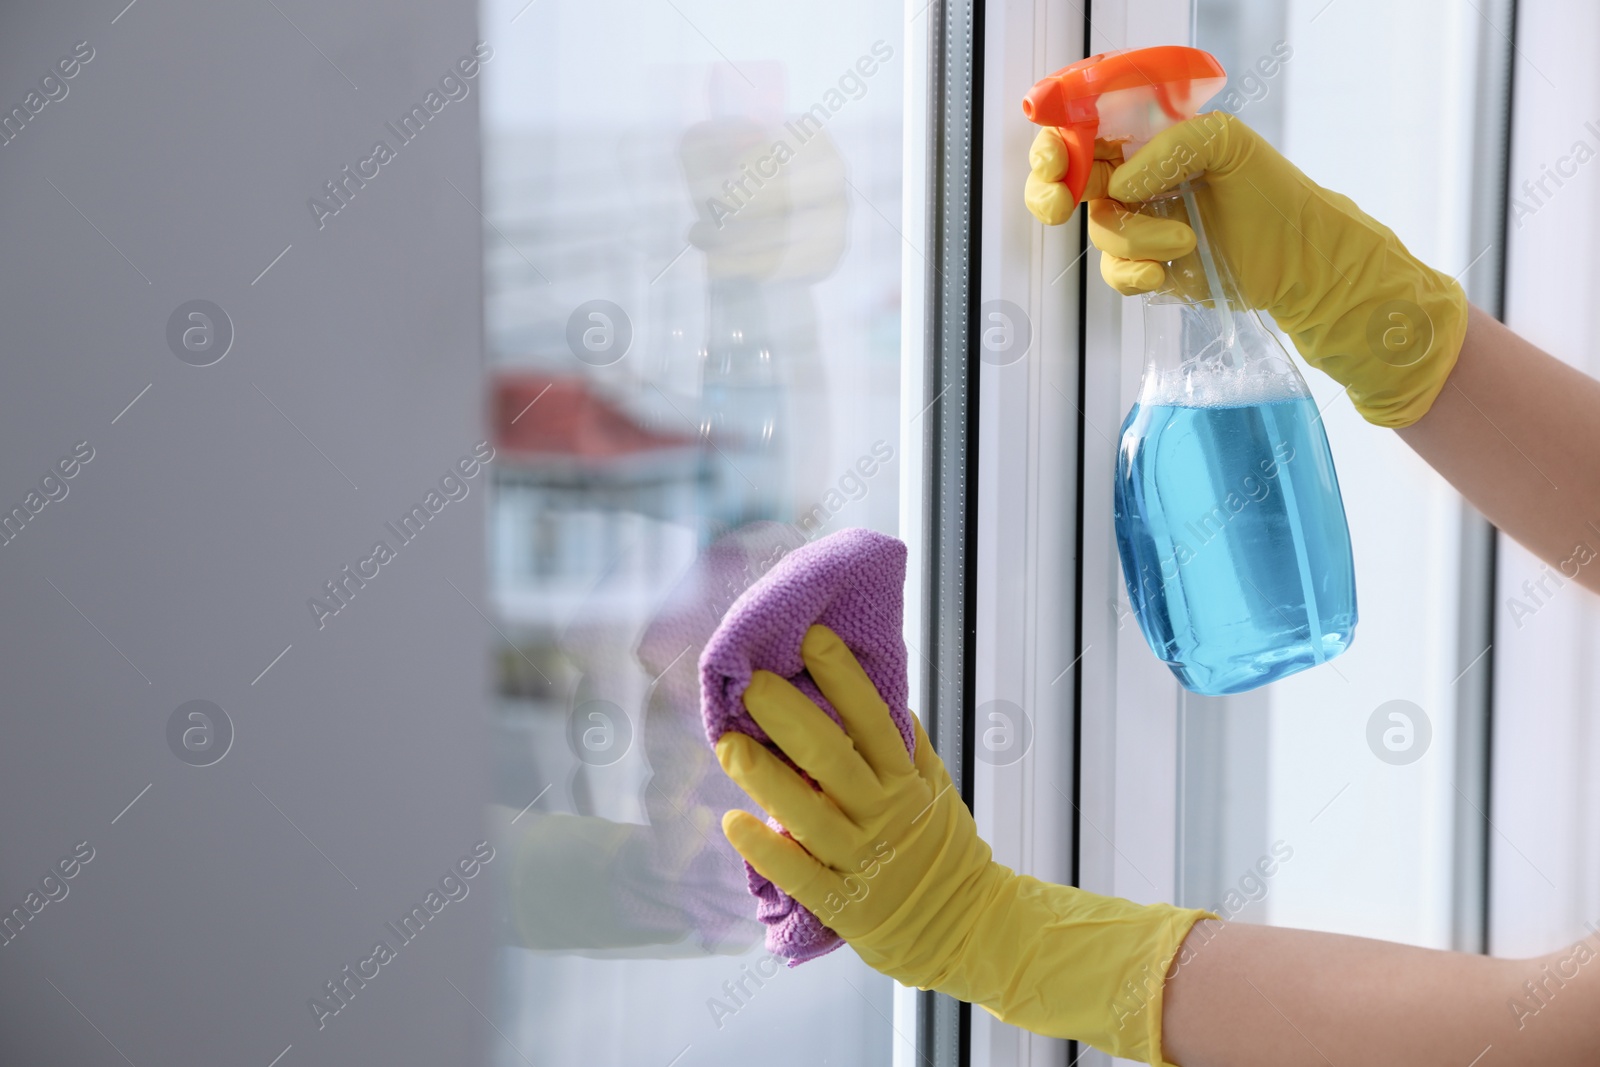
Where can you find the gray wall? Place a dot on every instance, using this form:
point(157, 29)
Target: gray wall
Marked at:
point(225, 897)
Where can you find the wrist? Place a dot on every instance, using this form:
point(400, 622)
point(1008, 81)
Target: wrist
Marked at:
point(927, 940)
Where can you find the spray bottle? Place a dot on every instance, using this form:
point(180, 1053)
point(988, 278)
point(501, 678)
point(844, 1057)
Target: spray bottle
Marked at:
point(1229, 521)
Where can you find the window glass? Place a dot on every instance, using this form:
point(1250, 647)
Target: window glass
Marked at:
point(693, 261)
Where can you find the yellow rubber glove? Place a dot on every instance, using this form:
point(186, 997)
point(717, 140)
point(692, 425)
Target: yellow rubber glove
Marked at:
point(888, 856)
point(1356, 304)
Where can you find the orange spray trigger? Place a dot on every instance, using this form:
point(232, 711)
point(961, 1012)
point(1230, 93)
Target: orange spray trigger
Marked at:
point(1080, 159)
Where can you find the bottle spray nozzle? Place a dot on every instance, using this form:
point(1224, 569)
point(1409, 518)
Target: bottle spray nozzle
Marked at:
point(1127, 96)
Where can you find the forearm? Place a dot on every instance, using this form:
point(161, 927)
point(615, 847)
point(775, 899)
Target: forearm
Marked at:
point(1253, 995)
point(1517, 431)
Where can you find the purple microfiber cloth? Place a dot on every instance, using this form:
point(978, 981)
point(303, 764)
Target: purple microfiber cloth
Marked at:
point(853, 583)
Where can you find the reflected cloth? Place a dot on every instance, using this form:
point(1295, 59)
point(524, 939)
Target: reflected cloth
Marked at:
point(852, 582)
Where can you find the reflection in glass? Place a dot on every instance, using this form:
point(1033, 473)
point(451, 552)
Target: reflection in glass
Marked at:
point(692, 302)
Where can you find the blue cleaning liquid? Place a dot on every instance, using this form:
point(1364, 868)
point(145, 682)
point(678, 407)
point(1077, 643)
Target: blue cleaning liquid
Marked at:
point(1233, 541)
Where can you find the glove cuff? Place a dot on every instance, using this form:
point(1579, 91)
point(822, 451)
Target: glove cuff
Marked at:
point(1394, 346)
point(1067, 963)
point(1432, 341)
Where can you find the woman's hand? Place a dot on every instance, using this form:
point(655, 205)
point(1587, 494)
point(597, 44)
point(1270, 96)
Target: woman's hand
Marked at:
point(888, 856)
point(1355, 302)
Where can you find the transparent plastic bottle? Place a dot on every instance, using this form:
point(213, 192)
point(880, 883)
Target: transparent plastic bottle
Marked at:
point(1229, 521)
point(743, 407)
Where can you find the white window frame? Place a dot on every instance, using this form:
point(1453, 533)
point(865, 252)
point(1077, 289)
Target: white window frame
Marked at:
point(1544, 863)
